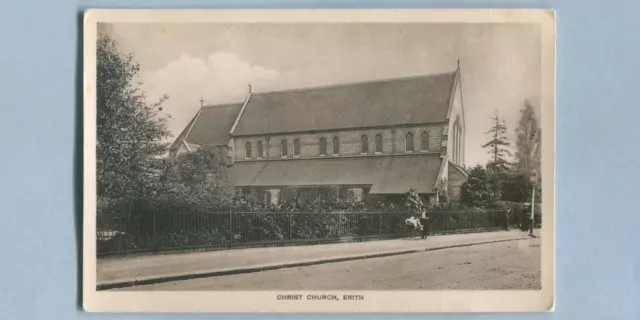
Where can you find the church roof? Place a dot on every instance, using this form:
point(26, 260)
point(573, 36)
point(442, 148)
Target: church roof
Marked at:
point(411, 100)
point(392, 174)
point(210, 126)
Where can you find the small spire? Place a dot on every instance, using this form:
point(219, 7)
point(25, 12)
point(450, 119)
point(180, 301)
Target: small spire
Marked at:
point(201, 102)
point(458, 63)
point(249, 87)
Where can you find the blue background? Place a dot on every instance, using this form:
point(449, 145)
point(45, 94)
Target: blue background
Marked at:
point(598, 242)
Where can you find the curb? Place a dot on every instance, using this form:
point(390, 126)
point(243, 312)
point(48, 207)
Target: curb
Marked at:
point(267, 267)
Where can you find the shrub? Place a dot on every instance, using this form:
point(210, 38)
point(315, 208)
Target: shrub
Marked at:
point(448, 205)
point(290, 194)
point(482, 188)
point(333, 193)
point(412, 202)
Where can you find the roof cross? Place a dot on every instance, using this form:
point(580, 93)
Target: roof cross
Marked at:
point(201, 102)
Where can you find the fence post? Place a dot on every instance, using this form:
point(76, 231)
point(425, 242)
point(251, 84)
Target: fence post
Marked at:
point(445, 230)
point(155, 242)
point(290, 240)
point(507, 213)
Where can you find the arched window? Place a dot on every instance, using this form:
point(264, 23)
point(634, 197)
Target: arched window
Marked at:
point(458, 141)
point(259, 149)
point(283, 148)
point(408, 145)
point(459, 144)
point(247, 150)
point(461, 147)
point(454, 150)
point(323, 146)
point(336, 145)
point(365, 144)
point(378, 143)
point(296, 148)
point(424, 141)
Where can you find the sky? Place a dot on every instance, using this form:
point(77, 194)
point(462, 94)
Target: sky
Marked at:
point(499, 64)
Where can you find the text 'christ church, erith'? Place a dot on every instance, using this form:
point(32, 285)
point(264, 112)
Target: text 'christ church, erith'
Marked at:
point(374, 139)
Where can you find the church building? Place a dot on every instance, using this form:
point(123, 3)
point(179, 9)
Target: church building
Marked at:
point(373, 140)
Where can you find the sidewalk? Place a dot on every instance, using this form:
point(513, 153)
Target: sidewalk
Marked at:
point(128, 271)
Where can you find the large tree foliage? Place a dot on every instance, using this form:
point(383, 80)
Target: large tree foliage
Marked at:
point(498, 146)
point(518, 188)
point(129, 129)
point(482, 188)
point(197, 181)
point(528, 139)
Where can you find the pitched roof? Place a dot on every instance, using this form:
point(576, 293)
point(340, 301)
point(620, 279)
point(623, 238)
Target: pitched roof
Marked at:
point(385, 174)
point(213, 125)
point(210, 126)
point(175, 146)
point(411, 100)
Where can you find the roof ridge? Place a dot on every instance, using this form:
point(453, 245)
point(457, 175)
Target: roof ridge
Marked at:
point(344, 84)
point(222, 105)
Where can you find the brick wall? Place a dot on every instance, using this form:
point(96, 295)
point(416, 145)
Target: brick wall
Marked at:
point(350, 142)
point(454, 182)
point(435, 137)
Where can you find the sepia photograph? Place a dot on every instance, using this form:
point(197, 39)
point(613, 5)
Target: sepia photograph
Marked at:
point(319, 160)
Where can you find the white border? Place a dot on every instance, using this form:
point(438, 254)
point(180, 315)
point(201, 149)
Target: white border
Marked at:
point(375, 301)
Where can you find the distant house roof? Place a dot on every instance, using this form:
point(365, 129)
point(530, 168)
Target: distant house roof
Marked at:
point(412, 100)
point(210, 126)
point(385, 174)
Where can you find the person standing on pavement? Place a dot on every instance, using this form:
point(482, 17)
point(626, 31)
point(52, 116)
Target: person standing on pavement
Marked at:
point(425, 225)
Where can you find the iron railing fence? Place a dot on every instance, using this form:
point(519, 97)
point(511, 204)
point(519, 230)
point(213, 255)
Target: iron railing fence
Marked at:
point(160, 232)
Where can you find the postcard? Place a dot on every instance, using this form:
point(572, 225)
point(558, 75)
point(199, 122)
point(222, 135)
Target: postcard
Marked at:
point(319, 160)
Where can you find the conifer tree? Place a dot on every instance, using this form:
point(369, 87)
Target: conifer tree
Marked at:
point(498, 146)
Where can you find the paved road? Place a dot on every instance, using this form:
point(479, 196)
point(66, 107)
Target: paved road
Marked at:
point(128, 267)
point(505, 265)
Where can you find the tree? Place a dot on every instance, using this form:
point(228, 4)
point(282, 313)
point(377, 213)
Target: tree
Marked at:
point(482, 188)
point(413, 201)
point(197, 181)
point(498, 146)
point(528, 139)
point(517, 188)
point(129, 130)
